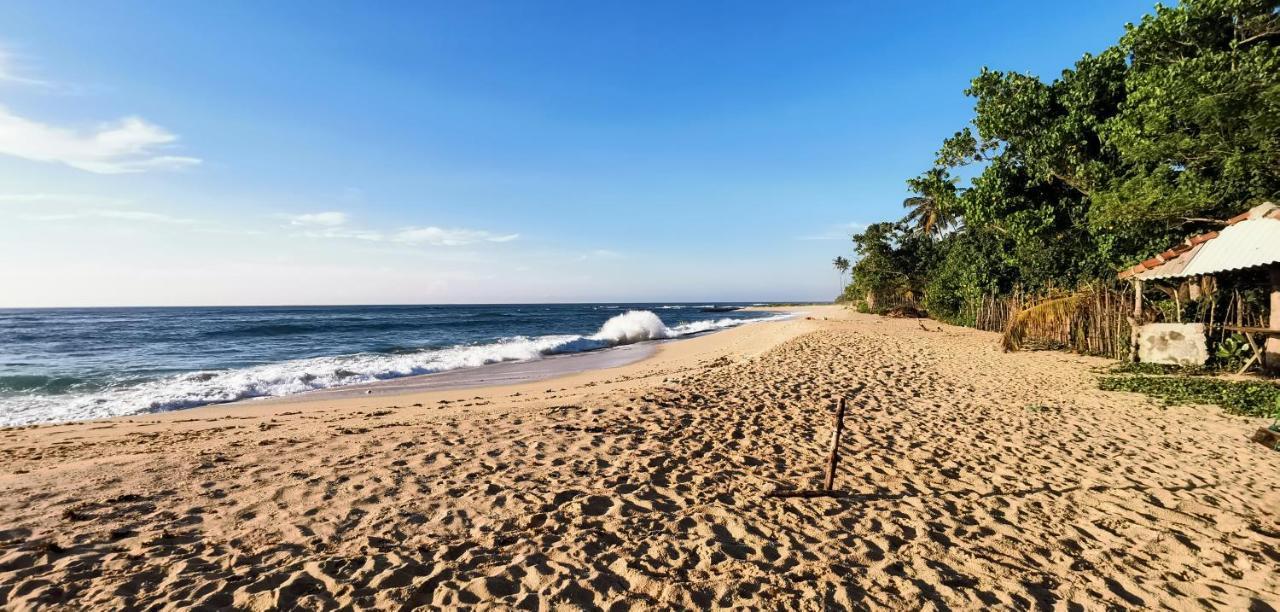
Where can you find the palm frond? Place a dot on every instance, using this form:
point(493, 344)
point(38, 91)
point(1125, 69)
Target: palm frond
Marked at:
point(1043, 318)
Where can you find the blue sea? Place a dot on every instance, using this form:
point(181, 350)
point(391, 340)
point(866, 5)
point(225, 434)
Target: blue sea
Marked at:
point(74, 364)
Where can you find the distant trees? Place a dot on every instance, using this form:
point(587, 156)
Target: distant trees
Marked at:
point(1113, 160)
point(842, 266)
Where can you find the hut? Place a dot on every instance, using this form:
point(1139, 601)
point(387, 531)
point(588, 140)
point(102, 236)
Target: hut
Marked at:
point(1247, 242)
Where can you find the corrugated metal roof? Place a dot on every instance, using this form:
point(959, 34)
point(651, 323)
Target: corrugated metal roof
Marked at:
point(1172, 268)
point(1250, 239)
point(1247, 244)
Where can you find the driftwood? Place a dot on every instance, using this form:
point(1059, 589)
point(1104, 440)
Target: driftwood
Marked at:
point(833, 460)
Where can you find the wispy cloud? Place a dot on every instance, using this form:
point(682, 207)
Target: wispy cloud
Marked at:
point(840, 231)
point(335, 224)
point(79, 199)
point(124, 146)
point(120, 215)
point(320, 219)
point(440, 236)
point(12, 72)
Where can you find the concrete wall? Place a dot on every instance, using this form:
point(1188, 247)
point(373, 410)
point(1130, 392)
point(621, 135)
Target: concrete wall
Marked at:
point(1172, 343)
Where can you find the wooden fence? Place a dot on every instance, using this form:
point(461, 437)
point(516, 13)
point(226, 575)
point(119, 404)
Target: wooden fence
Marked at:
point(1098, 323)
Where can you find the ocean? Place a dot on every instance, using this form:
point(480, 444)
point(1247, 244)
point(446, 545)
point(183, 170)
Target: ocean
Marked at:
point(74, 364)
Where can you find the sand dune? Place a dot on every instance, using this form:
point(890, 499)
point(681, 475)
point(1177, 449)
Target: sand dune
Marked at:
point(975, 479)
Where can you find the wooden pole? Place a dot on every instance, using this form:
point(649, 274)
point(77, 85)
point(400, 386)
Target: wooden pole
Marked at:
point(835, 446)
point(1271, 349)
point(1135, 320)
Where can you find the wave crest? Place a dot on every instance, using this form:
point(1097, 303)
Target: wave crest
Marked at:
point(633, 326)
point(192, 389)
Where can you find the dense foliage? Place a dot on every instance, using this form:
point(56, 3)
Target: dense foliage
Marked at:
point(1124, 153)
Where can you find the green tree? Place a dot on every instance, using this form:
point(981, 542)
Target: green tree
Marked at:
point(1199, 130)
point(933, 210)
point(1076, 176)
point(842, 266)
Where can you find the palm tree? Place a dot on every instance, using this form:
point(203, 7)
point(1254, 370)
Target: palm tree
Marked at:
point(841, 265)
point(933, 210)
point(928, 217)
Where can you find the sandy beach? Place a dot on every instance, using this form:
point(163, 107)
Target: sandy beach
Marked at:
point(973, 479)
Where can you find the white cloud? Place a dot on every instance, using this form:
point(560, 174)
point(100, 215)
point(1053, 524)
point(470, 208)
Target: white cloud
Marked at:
point(121, 215)
point(449, 237)
point(842, 231)
point(343, 232)
point(79, 199)
point(335, 224)
point(10, 72)
point(320, 219)
point(329, 224)
point(128, 145)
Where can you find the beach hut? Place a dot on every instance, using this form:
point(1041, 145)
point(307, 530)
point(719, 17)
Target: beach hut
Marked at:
point(1248, 242)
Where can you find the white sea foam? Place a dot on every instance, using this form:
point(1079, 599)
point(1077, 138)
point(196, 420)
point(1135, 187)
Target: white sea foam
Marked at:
point(633, 326)
point(297, 376)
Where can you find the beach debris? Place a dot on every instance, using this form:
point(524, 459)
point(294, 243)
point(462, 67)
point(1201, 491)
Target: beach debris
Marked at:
point(833, 460)
point(905, 312)
point(1268, 437)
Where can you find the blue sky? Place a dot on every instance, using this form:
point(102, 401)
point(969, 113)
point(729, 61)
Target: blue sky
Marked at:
point(284, 153)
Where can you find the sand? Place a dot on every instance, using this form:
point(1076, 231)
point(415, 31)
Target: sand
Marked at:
point(973, 479)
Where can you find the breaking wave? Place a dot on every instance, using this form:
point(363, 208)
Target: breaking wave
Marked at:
point(193, 389)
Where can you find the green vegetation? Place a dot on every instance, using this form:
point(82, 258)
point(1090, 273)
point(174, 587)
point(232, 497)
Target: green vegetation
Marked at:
point(1156, 369)
point(1232, 352)
point(1246, 398)
point(1118, 157)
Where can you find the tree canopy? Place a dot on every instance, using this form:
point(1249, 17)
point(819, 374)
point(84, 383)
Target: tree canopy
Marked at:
point(1175, 125)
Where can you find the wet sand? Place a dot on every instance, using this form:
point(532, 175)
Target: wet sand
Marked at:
point(491, 375)
point(971, 478)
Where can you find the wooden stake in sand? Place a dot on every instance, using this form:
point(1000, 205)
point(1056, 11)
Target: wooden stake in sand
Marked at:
point(833, 459)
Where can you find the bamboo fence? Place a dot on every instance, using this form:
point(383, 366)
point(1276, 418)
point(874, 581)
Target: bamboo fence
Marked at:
point(1098, 323)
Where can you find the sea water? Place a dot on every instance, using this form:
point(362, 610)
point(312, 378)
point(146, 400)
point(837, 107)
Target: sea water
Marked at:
point(73, 364)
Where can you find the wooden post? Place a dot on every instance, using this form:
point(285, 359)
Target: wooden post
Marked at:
point(1271, 349)
point(835, 446)
point(1135, 320)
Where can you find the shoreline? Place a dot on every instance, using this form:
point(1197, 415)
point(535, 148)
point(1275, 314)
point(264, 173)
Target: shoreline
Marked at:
point(591, 368)
point(646, 485)
point(502, 373)
point(548, 368)
point(496, 374)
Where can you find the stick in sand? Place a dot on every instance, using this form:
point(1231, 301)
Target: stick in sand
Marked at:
point(835, 447)
point(828, 489)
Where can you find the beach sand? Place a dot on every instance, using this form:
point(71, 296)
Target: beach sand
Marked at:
point(974, 479)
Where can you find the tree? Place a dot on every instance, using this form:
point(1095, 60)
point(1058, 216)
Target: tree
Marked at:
point(1198, 129)
point(894, 262)
point(1076, 176)
point(841, 265)
point(933, 210)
